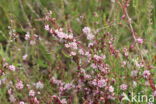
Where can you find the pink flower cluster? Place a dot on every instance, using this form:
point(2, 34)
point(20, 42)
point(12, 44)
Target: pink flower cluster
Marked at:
point(19, 85)
point(88, 33)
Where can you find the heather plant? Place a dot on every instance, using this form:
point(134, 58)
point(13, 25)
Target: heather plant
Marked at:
point(77, 52)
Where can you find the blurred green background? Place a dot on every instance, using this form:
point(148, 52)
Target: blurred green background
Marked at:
point(68, 12)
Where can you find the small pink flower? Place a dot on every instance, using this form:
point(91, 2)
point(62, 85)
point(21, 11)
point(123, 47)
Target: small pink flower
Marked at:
point(123, 16)
point(73, 53)
point(111, 89)
point(140, 40)
point(68, 86)
point(5, 64)
point(25, 57)
point(28, 86)
point(123, 64)
point(32, 93)
point(10, 91)
point(21, 102)
point(98, 58)
point(147, 83)
point(63, 101)
point(154, 93)
point(39, 85)
point(86, 30)
point(27, 36)
point(32, 42)
point(47, 27)
point(123, 87)
point(61, 34)
point(93, 66)
point(102, 83)
point(67, 45)
point(81, 52)
point(19, 85)
point(36, 101)
point(70, 36)
point(54, 96)
point(86, 76)
point(90, 44)
point(72, 45)
point(94, 82)
point(146, 74)
point(12, 98)
point(90, 36)
point(150, 103)
point(12, 67)
point(88, 54)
